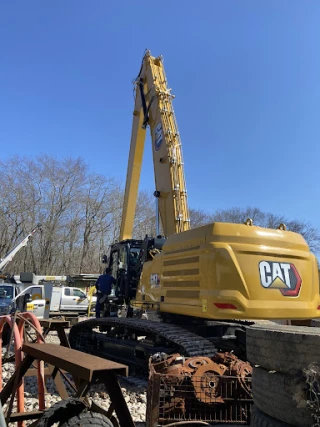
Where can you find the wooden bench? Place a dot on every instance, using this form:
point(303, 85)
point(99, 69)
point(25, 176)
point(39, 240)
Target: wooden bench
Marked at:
point(86, 370)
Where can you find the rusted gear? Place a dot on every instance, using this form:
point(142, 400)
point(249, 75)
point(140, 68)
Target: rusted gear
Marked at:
point(206, 383)
point(238, 368)
point(193, 363)
point(242, 370)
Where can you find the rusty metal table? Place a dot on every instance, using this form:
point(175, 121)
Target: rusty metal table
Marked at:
point(57, 325)
point(86, 371)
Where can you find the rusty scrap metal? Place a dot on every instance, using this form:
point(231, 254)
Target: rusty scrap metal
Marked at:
point(161, 361)
point(193, 363)
point(206, 382)
point(192, 383)
point(175, 406)
point(238, 368)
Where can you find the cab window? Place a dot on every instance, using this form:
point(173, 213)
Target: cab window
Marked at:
point(114, 264)
point(67, 292)
point(78, 293)
point(134, 255)
point(35, 292)
point(123, 257)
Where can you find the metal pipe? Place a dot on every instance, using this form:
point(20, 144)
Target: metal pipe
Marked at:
point(186, 423)
point(157, 217)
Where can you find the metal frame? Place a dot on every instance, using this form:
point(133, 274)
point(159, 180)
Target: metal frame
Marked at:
point(85, 369)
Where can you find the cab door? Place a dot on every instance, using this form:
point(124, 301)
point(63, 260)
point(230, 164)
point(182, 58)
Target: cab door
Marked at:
point(67, 299)
point(114, 263)
point(82, 302)
point(119, 268)
point(37, 304)
point(74, 299)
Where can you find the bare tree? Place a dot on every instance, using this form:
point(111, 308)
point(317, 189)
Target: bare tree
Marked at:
point(98, 206)
point(145, 217)
point(198, 218)
point(311, 234)
point(81, 214)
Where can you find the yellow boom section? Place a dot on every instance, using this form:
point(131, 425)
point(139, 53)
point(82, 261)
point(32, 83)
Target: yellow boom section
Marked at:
point(153, 107)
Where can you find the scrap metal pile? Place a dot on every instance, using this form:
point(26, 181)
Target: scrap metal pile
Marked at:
point(199, 388)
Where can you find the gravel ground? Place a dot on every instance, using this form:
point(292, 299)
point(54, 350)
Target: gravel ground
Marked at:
point(135, 394)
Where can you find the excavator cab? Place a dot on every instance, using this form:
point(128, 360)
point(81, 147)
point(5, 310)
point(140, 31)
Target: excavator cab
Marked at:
point(123, 263)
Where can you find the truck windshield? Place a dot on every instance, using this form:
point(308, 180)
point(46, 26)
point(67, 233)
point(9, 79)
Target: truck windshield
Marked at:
point(6, 291)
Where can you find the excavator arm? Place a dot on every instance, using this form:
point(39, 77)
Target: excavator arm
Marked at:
point(153, 108)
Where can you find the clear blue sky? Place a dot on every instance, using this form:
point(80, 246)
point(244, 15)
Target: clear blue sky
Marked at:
point(245, 75)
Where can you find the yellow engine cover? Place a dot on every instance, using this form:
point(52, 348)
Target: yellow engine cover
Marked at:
point(233, 271)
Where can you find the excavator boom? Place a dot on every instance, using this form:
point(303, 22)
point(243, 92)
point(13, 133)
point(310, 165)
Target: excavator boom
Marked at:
point(153, 108)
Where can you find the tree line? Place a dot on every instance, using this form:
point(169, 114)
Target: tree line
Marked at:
point(80, 213)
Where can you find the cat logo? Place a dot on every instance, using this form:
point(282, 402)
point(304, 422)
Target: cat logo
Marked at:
point(280, 275)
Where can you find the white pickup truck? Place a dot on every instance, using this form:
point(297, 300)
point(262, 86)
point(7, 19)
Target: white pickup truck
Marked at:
point(37, 298)
point(68, 299)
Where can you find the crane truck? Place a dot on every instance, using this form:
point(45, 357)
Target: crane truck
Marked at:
point(11, 295)
point(198, 288)
point(11, 254)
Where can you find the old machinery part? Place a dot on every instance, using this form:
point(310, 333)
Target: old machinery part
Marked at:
point(206, 382)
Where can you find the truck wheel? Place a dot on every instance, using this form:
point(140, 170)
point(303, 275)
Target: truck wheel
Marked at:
point(88, 419)
point(72, 412)
point(61, 412)
point(260, 419)
point(281, 396)
point(286, 349)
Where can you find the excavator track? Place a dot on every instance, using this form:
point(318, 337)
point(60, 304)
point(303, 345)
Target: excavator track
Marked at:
point(133, 341)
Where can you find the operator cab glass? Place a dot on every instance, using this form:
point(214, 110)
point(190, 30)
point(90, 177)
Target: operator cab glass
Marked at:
point(133, 256)
point(123, 258)
point(114, 259)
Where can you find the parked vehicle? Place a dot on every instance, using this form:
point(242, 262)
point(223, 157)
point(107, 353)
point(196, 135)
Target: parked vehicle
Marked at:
point(67, 298)
point(9, 298)
point(42, 299)
point(34, 298)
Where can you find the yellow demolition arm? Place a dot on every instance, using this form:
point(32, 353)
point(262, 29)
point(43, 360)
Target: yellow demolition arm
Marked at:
point(153, 107)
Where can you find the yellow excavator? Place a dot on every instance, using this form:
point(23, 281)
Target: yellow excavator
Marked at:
point(192, 291)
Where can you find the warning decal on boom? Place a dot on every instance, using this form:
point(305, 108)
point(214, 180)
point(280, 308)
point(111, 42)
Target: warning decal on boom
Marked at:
point(158, 137)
